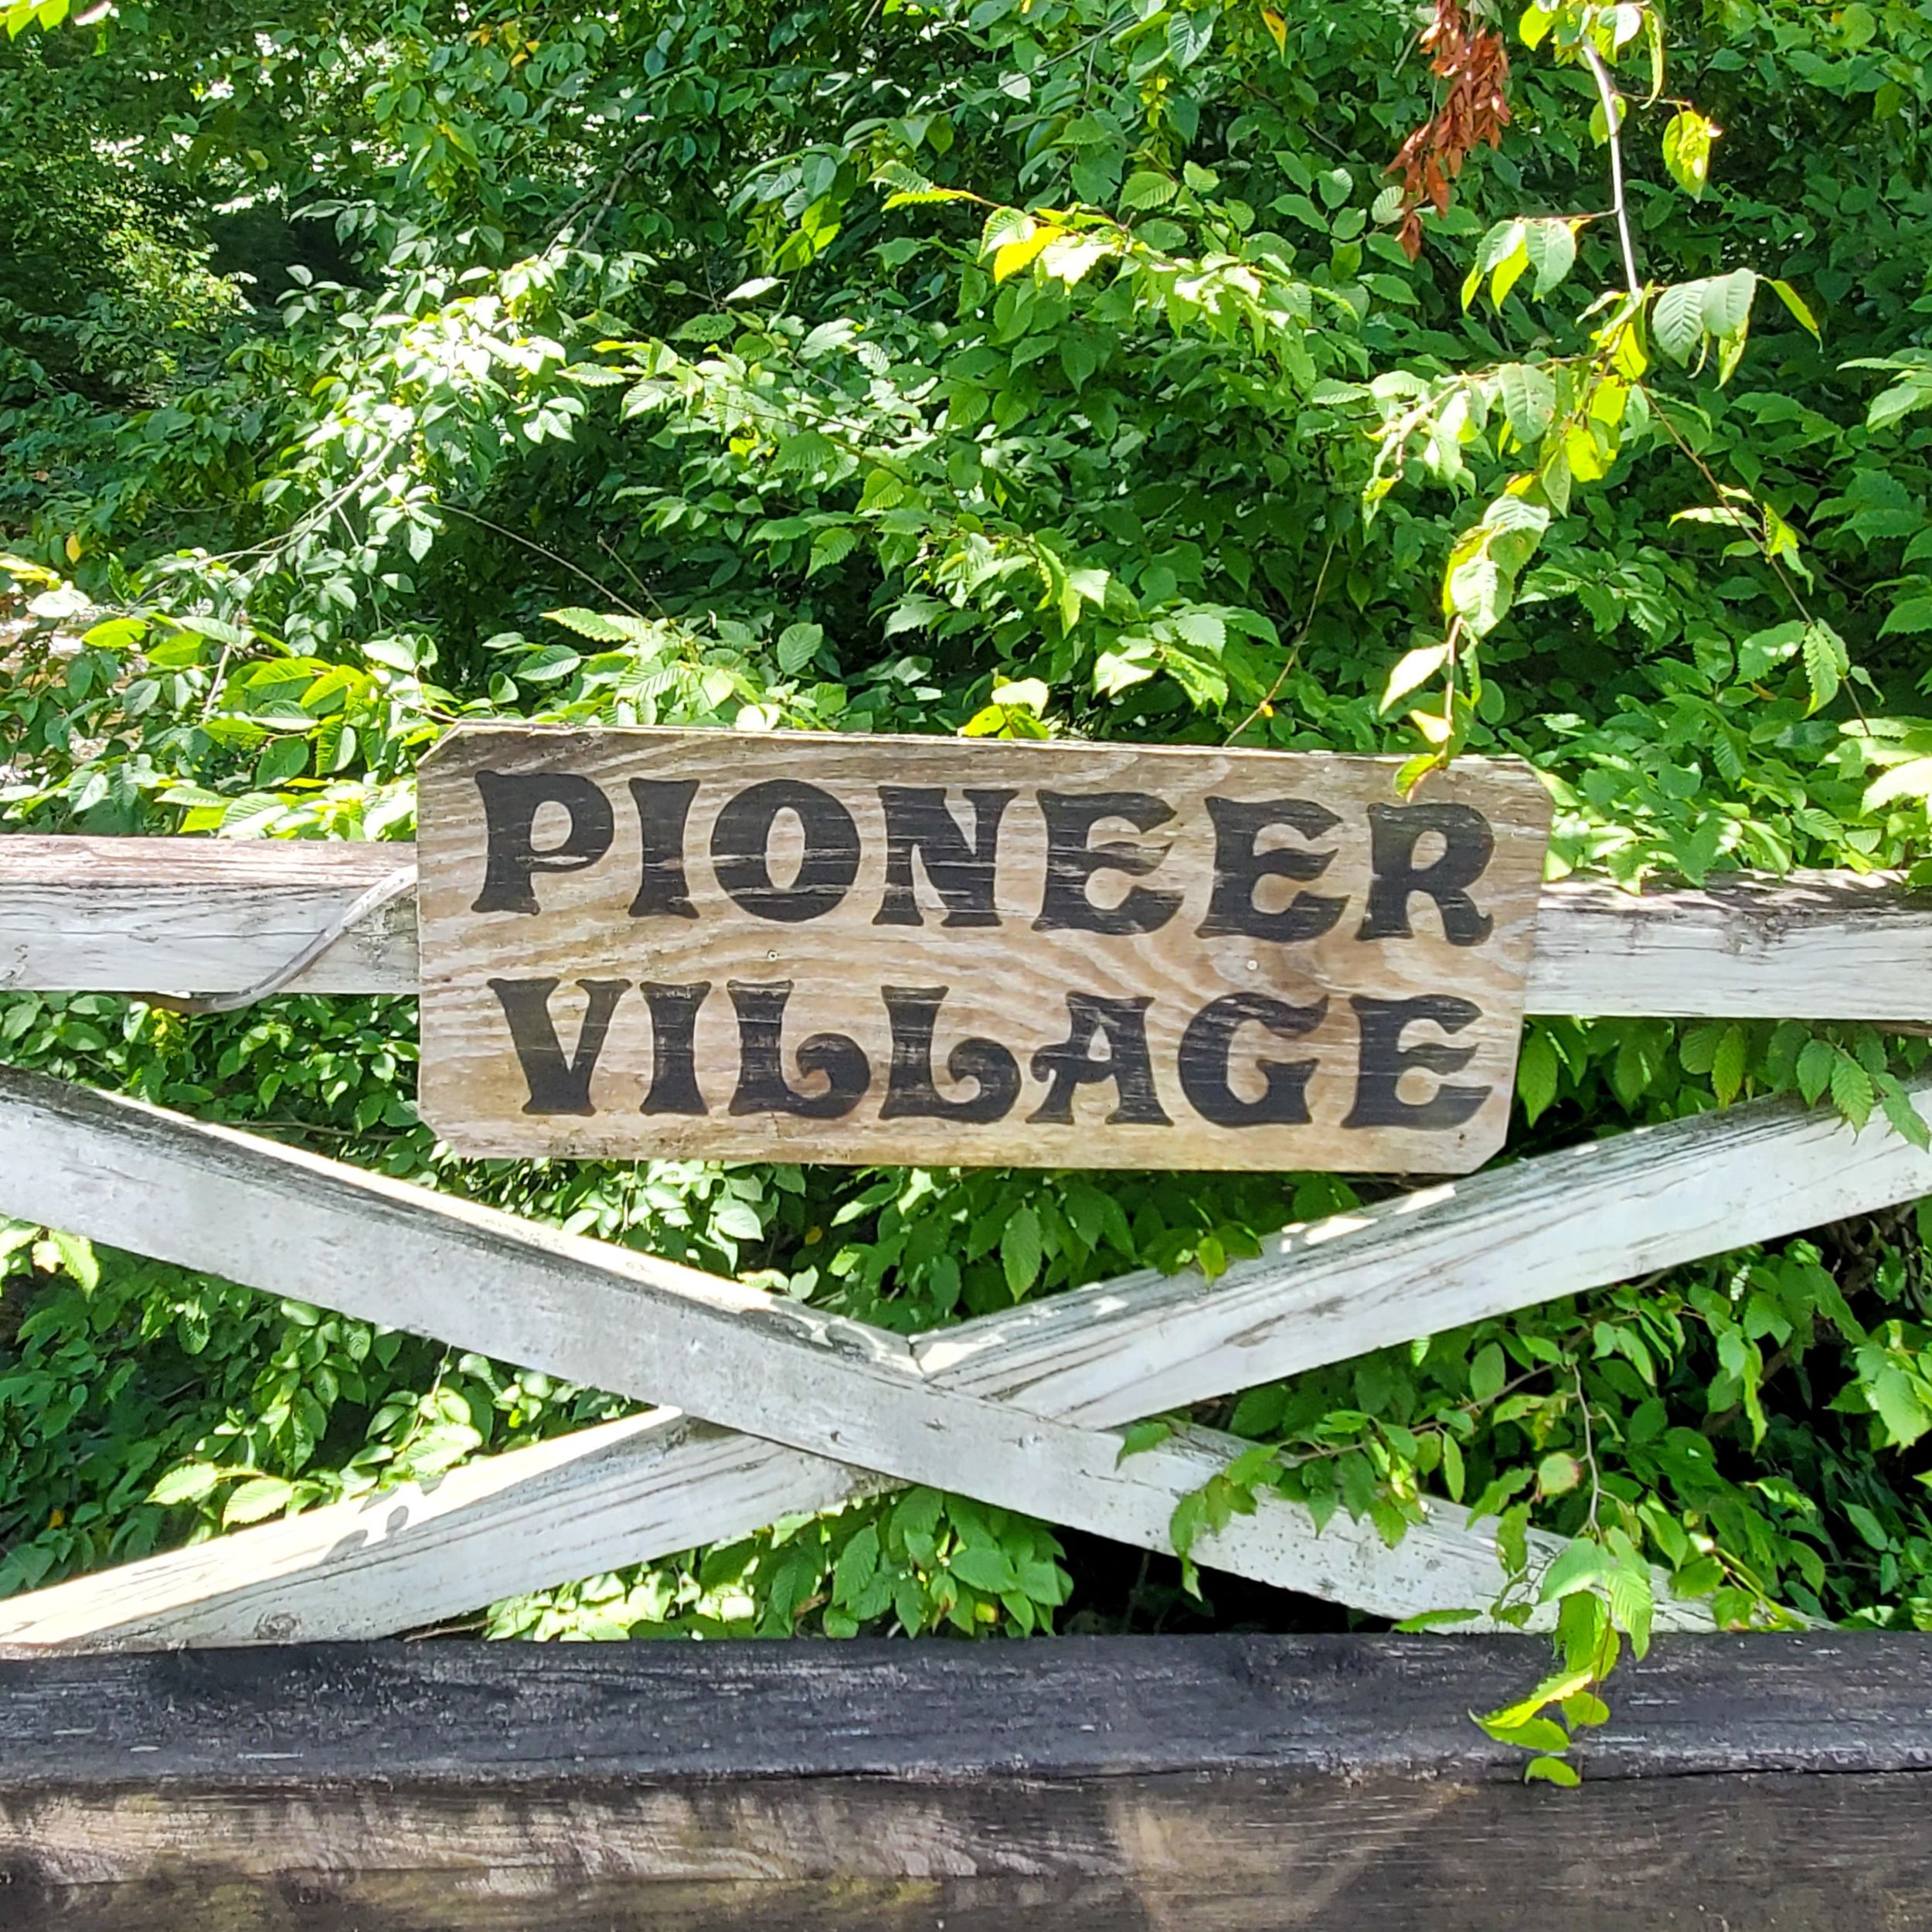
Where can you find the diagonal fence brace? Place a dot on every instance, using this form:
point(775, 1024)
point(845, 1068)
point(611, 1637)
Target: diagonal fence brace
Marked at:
point(203, 1196)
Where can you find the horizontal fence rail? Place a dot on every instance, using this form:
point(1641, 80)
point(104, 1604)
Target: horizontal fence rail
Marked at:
point(212, 916)
point(1220, 1783)
point(1018, 1408)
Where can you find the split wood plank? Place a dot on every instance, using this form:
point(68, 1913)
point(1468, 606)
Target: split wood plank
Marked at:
point(623, 1492)
point(274, 1217)
point(1777, 1783)
point(199, 915)
point(1555, 1225)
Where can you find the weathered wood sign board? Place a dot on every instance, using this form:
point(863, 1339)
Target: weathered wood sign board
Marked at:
point(932, 951)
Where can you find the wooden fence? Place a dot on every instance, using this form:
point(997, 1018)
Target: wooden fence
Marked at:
point(1085, 1784)
point(782, 1408)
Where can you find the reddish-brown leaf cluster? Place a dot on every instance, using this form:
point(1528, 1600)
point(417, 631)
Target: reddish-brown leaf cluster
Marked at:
point(1475, 63)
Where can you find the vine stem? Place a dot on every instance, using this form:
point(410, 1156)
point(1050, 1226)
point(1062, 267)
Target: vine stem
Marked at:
point(1606, 94)
point(1590, 1447)
point(1295, 647)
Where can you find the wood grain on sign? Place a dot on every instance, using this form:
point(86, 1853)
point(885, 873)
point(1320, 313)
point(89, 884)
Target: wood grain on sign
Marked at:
point(929, 951)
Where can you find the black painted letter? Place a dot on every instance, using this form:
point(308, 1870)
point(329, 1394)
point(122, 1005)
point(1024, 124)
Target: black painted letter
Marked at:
point(1385, 1059)
point(556, 1085)
point(510, 802)
point(673, 1028)
point(917, 819)
point(1070, 1065)
point(663, 806)
point(1209, 1039)
point(762, 1085)
point(911, 1093)
point(1239, 869)
point(1071, 863)
point(1395, 831)
point(741, 839)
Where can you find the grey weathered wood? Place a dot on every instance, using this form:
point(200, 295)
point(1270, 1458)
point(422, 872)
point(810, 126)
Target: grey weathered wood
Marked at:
point(1555, 1225)
point(277, 1217)
point(936, 1410)
point(1104, 1785)
point(197, 915)
point(201, 915)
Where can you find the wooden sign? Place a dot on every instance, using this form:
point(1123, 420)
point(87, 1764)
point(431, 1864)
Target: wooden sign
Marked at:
point(936, 952)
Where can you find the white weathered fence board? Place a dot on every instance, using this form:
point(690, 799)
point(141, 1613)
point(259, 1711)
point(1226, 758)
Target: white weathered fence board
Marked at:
point(208, 1198)
point(197, 915)
point(189, 915)
point(1458, 1252)
point(1426, 1261)
point(625, 1491)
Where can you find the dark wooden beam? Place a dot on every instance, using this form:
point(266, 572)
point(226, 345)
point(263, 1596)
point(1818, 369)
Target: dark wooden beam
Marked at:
point(1221, 1784)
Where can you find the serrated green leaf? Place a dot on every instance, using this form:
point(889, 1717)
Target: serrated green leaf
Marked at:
point(1677, 320)
point(1852, 1093)
point(1529, 400)
point(1687, 150)
point(1826, 662)
point(1146, 188)
point(1019, 1250)
point(1726, 301)
point(1814, 1066)
point(77, 1258)
point(256, 1500)
point(187, 1482)
point(596, 625)
point(1727, 1064)
point(1536, 1071)
point(1552, 248)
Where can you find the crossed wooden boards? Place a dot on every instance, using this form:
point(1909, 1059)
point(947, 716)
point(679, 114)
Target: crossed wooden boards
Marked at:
point(1019, 1409)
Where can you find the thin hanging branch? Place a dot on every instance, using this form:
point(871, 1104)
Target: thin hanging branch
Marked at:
point(1608, 95)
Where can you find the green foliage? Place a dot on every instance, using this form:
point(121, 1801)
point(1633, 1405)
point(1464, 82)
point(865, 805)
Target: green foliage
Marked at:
point(1022, 371)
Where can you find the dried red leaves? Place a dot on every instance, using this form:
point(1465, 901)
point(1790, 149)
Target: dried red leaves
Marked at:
point(1475, 63)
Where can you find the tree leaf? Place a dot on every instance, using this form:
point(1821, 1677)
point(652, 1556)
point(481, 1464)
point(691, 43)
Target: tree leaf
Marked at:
point(1416, 667)
point(1826, 662)
point(985, 1568)
point(1727, 1064)
point(1852, 1093)
point(1727, 301)
point(187, 1482)
point(1148, 189)
point(1687, 150)
point(1677, 320)
point(1529, 400)
point(1536, 1071)
point(1552, 248)
point(77, 1257)
point(1188, 36)
point(1800, 309)
point(1019, 1250)
point(256, 1499)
